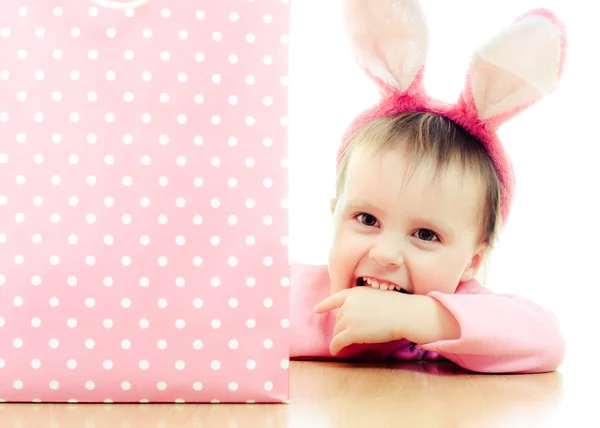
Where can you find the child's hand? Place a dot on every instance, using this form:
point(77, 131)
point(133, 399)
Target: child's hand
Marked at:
point(364, 315)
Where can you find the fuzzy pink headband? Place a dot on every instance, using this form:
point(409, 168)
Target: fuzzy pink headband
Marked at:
point(508, 74)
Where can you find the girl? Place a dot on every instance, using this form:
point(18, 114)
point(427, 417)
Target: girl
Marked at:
point(423, 189)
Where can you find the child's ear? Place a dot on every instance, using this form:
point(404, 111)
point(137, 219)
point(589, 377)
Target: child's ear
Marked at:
point(332, 204)
point(475, 263)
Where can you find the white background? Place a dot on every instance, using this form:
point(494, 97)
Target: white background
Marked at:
point(550, 248)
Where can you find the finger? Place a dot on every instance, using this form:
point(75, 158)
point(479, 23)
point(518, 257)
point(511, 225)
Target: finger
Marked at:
point(340, 341)
point(340, 325)
point(332, 302)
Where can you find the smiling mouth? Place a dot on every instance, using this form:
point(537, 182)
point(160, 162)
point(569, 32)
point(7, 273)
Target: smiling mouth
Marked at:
point(363, 280)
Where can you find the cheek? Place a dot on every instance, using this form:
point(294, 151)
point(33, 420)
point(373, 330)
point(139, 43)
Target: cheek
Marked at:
point(435, 272)
point(343, 259)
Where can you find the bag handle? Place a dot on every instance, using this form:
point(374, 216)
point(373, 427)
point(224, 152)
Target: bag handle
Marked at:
point(109, 4)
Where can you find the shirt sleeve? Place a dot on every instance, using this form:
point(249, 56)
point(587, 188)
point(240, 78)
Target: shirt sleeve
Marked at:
point(500, 333)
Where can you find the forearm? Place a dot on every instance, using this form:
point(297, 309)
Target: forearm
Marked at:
point(427, 321)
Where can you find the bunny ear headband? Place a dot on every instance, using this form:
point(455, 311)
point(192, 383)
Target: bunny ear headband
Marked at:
point(508, 74)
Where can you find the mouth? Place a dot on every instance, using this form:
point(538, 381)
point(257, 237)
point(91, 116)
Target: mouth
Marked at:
point(365, 280)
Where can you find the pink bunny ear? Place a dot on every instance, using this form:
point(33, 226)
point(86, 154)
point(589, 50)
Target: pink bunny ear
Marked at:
point(517, 68)
point(389, 39)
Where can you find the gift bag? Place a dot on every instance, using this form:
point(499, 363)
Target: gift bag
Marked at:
point(143, 210)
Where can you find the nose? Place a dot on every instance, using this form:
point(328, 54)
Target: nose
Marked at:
point(387, 252)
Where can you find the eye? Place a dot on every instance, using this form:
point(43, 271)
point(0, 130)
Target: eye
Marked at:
point(427, 235)
point(367, 219)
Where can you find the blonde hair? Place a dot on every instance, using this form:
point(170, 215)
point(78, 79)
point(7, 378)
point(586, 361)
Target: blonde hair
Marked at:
point(428, 136)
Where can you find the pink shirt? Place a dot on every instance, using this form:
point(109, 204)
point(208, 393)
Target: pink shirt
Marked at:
point(500, 333)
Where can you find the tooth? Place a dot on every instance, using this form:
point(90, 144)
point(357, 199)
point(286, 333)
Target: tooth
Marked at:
point(374, 284)
point(383, 286)
point(367, 280)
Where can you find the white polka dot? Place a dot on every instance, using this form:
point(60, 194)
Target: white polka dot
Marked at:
point(180, 324)
point(36, 280)
point(180, 364)
point(18, 342)
point(147, 76)
point(250, 281)
point(73, 239)
point(198, 303)
point(215, 161)
point(181, 119)
point(162, 386)
point(200, 15)
point(250, 203)
point(22, 54)
point(147, 33)
point(144, 365)
point(144, 282)
point(267, 60)
point(268, 386)
point(109, 117)
point(233, 386)
point(233, 344)
point(38, 117)
point(216, 78)
point(111, 32)
point(268, 343)
point(162, 261)
point(162, 303)
point(75, 74)
point(217, 36)
point(250, 364)
point(250, 38)
point(18, 301)
point(268, 302)
point(126, 261)
point(109, 239)
point(144, 240)
point(127, 181)
point(126, 303)
point(233, 59)
point(250, 121)
point(90, 302)
point(125, 386)
point(128, 138)
point(198, 182)
point(267, 142)
point(36, 322)
point(197, 344)
point(93, 11)
point(54, 302)
point(145, 160)
point(232, 141)
point(165, 13)
point(163, 219)
point(197, 386)
point(109, 201)
point(250, 323)
point(55, 180)
point(90, 385)
point(215, 323)
point(198, 261)
point(72, 281)
point(267, 220)
point(19, 259)
point(183, 35)
point(5, 32)
point(146, 118)
point(165, 55)
point(107, 364)
point(267, 101)
point(144, 323)
point(53, 343)
point(72, 364)
point(17, 384)
point(111, 75)
point(215, 202)
point(181, 160)
point(72, 323)
point(39, 75)
point(232, 220)
point(199, 57)
point(108, 323)
point(215, 364)
point(92, 96)
point(126, 344)
point(268, 261)
point(75, 32)
point(267, 18)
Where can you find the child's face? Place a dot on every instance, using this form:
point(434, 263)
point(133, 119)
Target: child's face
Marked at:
point(415, 233)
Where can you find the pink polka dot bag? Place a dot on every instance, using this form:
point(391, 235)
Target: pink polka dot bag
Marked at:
point(143, 210)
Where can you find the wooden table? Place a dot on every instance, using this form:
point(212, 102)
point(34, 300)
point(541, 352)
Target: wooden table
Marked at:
point(326, 394)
